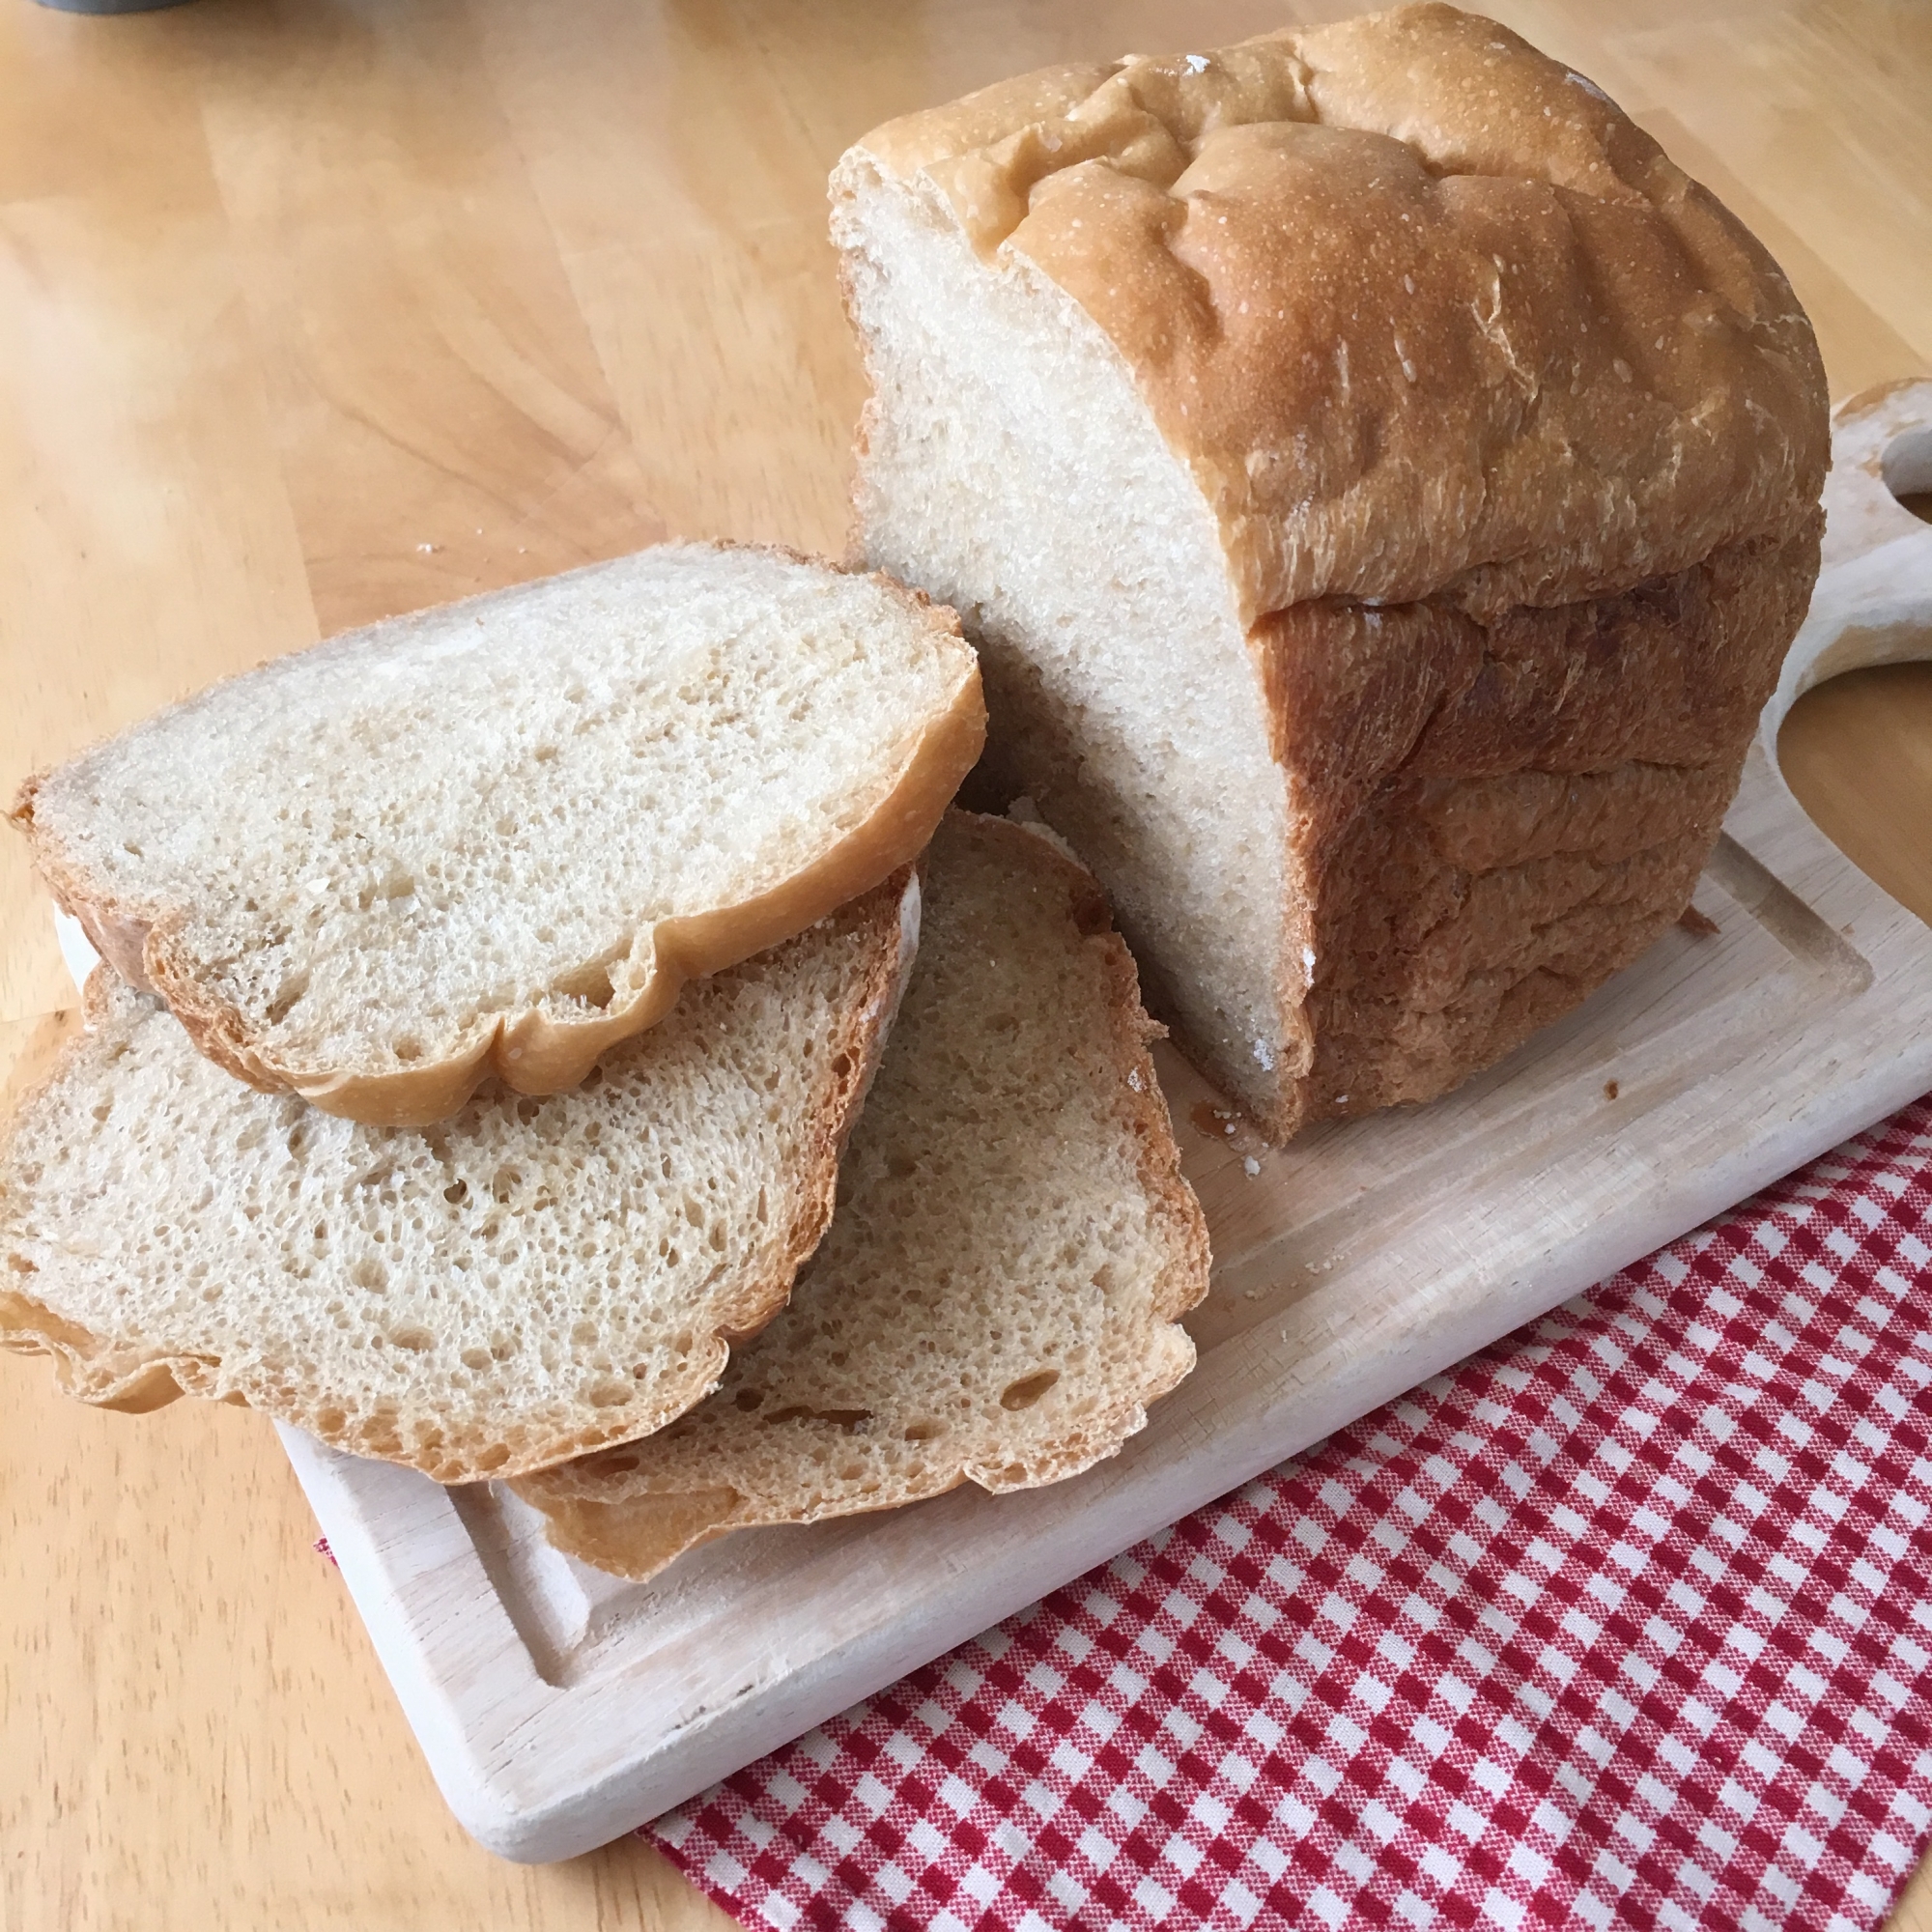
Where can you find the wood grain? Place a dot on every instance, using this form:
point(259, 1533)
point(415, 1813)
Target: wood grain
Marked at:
point(1861, 801)
point(316, 308)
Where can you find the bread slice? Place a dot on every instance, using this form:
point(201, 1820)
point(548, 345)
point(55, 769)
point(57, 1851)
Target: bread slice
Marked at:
point(528, 1280)
point(1381, 487)
point(999, 1297)
point(496, 838)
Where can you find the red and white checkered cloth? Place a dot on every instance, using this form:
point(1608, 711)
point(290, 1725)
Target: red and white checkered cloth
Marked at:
point(1626, 1621)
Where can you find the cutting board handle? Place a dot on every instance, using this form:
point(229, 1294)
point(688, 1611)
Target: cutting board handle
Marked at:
point(1873, 602)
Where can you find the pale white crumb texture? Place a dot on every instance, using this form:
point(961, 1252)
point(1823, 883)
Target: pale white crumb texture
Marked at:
point(528, 1278)
point(995, 1298)
point(1011, 469)
point(384, 844)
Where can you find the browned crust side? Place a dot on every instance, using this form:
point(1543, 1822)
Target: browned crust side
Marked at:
point(106, 1373)
point(605, 1512)
point(530, 1051)
point(1376, 1051)
point(1493, 817)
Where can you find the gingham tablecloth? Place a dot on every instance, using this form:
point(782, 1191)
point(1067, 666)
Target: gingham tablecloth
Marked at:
point(1626, 1621)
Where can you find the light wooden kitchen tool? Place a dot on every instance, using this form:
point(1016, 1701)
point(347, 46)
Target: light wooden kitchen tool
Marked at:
point(558, 1707)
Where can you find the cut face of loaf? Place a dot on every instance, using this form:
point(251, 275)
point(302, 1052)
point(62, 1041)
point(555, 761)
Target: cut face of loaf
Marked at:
point(998, 1299)
point(528, 1280)
point(1381, 487)
point(496, 838)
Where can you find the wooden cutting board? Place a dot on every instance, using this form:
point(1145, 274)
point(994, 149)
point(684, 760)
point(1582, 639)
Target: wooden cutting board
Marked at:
point(558, 1707)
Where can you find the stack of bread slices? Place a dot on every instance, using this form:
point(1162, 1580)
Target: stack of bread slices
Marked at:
point(490, 1006)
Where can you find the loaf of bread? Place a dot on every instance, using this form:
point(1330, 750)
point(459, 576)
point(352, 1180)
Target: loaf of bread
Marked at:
point(1381, 487)
point(998, 1299)
point(496, 838)
point(529, 1280)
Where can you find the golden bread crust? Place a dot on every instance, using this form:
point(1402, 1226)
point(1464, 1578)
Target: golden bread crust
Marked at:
point(1424, 313)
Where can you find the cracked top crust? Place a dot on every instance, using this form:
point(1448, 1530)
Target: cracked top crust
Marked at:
point(1423, 311)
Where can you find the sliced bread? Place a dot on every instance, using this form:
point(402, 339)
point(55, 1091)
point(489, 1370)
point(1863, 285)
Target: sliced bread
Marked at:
point(528, 1280)
point(998, 1299)
point(496, 838)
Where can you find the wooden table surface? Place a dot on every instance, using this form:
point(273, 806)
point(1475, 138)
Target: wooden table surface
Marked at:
point(315, 310)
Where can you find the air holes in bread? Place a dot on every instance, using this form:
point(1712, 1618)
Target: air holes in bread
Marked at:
point(373, 1264)
point(291, 990)
point(851, 1420)
point(1028, 1390)
point(878, 1382)
point(593, 986)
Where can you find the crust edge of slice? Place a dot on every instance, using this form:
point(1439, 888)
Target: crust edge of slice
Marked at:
point(104, 1374)
point(526, 1049)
